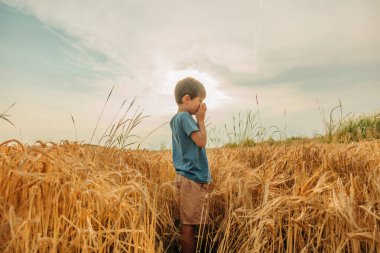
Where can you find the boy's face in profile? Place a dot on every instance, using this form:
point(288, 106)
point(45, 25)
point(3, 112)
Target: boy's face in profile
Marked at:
point(192, 105)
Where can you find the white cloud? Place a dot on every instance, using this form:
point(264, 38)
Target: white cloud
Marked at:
point(299, 33)
point(257, 37)
point(137, 36)
point(243, 45)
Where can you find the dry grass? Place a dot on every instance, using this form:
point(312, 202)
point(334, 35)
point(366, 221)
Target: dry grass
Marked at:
point(5, 116)
point(280, 198)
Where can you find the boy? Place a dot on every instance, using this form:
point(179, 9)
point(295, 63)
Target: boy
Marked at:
point(189, 158)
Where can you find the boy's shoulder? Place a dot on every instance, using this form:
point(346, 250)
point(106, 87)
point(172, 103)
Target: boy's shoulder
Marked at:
point(180, 116)
point(184, 120)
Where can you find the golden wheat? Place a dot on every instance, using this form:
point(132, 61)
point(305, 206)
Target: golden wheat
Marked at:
point(307, 197)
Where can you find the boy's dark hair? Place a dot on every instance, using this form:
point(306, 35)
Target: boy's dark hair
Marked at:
point(188, 86)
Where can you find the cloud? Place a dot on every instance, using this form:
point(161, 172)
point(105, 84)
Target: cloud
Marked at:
point(137, 36)
point(245, 41)
point(287, 52)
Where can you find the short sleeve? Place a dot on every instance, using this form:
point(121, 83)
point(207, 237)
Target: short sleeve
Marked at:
point(188, 124)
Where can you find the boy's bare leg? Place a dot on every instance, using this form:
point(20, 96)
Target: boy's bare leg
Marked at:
point(188, 239)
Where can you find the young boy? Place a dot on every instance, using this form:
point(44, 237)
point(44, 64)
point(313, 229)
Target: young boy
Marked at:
point(189, 158)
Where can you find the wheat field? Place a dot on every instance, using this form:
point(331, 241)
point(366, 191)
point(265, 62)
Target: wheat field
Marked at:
point(302, 197)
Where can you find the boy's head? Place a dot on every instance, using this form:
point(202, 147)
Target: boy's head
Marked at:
point(189, 86)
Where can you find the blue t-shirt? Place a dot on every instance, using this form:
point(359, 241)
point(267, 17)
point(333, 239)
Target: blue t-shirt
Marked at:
point(189, 160)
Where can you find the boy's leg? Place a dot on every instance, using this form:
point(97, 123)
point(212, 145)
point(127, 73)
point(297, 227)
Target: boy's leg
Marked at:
point(188, 239)
point(192, 209)
point(193, 205)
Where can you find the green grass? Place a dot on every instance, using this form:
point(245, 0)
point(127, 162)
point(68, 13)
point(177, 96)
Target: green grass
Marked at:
point(247, 131)
point(348, 128)
point(244, 131)
point(333, 122)
point(363, 127)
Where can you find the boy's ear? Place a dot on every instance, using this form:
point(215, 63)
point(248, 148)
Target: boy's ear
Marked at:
point(185, 99)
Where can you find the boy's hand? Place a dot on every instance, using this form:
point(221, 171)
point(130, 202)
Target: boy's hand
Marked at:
point(200, 137)
point(201, 113)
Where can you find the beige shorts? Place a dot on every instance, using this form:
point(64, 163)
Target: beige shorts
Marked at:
point(192, 203)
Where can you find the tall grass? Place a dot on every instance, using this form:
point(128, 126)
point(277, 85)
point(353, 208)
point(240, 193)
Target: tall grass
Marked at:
point(245, 130)
point(75, 127)
point(120, 130)
point(101, 114)
point(120, 133)
point(359, 128)
point(349, 128)
point(5, 116)
point(284, 198)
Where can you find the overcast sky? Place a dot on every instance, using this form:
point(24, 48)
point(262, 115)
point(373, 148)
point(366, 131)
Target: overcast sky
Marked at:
point(61, 58)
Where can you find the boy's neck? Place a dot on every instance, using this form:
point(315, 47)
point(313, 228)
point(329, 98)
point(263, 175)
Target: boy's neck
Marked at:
point(181, 108)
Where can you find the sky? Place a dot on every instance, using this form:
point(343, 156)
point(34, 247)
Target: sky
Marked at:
point(60, 59)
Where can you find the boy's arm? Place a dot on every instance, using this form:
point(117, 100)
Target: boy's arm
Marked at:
point(200, 137)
